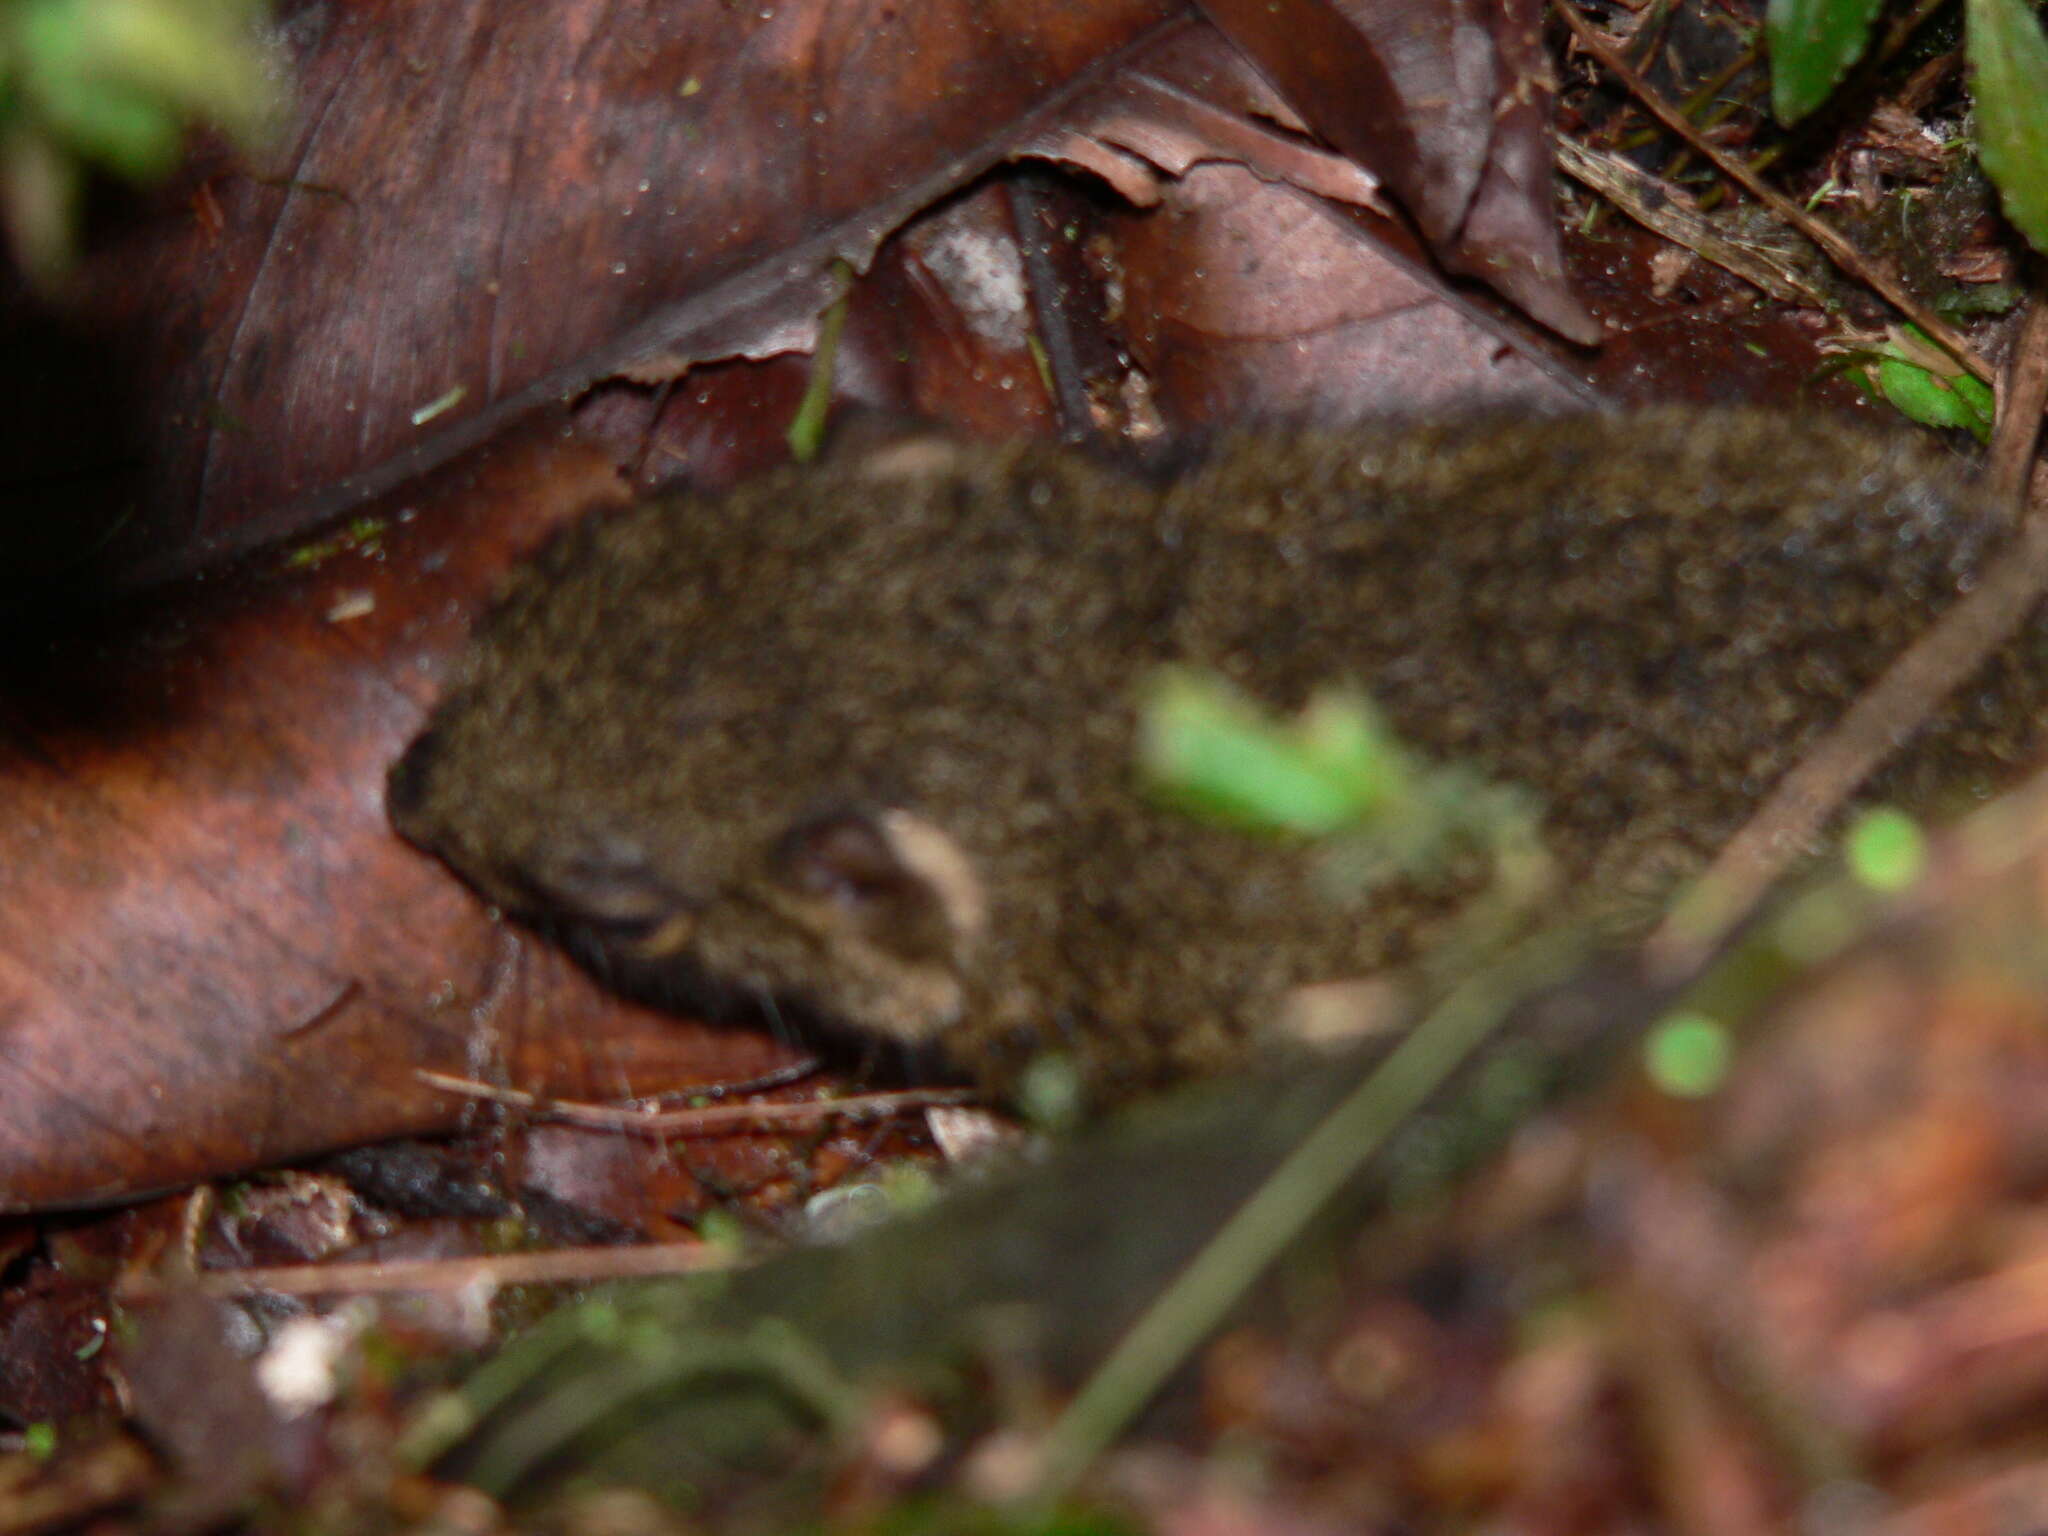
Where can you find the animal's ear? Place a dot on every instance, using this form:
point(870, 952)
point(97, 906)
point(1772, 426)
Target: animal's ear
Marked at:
point(891, 876)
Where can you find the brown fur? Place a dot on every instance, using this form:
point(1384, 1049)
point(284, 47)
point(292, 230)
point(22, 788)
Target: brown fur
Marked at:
point(857, 742)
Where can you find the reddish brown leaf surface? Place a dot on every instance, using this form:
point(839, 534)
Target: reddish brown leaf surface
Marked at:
point(1449, 101)
point(477, 211)
point(1262, 274)
point(1341, 327)
point(482, 208)
point(212, 949)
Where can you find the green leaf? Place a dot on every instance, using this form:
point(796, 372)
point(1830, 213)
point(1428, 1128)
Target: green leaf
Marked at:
point(2009, 69)
point(115, 83)
point(1925, 383)
point(1812, 44)
point(197, 58)
point(1934, 401)
point(1205, 747)
point(120, 79)
point(1688, 1054)
point(125, 132)
point(1887, 850)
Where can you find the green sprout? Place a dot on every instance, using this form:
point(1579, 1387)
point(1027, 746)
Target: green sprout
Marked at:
point(115, 85)
point(1336, 774)
point(1814, 43)
point(1210, 751)
point(1924, 383)
point(1886, 849)
point(1687, 1055)
point(806, 433)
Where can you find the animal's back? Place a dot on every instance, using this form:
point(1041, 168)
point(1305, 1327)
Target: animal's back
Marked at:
point(861, 744)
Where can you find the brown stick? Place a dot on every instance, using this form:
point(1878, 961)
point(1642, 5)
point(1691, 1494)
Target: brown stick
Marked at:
point(717, 1119)
point(560, 1266)
point(1930, 669)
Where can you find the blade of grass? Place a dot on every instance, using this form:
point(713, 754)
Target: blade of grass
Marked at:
point(1325, 1161)
point(2009, 64)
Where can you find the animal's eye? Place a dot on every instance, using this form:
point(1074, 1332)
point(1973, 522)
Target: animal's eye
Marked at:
point(893, 878)
point(845, 857)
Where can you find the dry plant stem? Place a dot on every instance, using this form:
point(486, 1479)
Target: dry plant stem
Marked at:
point(1649, 201)
point(1839, 250)
point(1941, 661)
point(1698, 101)
point(562, 1266)
point(1708, 120)
point(1331, 1155)
point(2010, 464)
point(1028, 212)
point(709, 1121)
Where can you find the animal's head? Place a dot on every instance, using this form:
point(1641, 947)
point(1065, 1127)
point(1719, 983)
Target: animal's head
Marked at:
point(718, 882)
point(714, 748)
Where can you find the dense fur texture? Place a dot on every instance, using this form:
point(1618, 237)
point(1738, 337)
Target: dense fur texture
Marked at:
point(856, 742)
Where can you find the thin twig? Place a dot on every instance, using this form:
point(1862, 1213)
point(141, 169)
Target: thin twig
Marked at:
point(1256, 1233)
point(1838, 249)
point(561, 1266)
point(2010, 464)
point(1050, 308)
point(709, 1120)
point(1929, 670)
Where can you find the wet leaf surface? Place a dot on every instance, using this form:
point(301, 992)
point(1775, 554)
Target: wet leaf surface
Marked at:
point(478, 211)
point(213, 952)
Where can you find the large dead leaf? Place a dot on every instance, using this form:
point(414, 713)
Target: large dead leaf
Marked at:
point(478, 212)
point(482, 209)
point(213, 952)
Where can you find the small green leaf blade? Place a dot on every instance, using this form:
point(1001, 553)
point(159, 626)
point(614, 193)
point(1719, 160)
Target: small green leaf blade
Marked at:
point(1205, 748)
point(1813, 43)
point(1933, 401)
point(2009, 69)
point(1887, 850)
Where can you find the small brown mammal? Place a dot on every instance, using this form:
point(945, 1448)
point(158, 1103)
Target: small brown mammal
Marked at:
point(856, 743)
